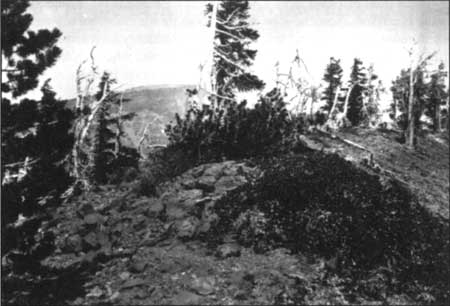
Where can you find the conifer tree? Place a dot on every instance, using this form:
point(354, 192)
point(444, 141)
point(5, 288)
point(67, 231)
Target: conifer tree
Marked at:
point(372, 96)
point(357, 84)
point(437, 96)
point(232, 55)
point(401, 94)
point(25, 54)
point(36, 139)
point(107, 131)
point(333, 76)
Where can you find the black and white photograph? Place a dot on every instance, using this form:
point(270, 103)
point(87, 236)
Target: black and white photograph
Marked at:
point(226, 152)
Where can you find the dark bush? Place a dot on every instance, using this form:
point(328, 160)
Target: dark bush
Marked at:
point(124, 167)
point(233, 130)
point(322, 204)
point(162, 165)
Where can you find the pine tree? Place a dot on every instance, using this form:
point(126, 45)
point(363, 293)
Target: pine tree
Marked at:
point(437, 96)
point(107, 131)
point(357, 85)
point(401, 93)
point(372, 96)
point(232, 55)
point(25, 55)
point(39, 133)
point(333, 76)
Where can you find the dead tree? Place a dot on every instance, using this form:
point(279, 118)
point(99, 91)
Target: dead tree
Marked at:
point(331, 122)
point(410, 129)
point(144, 136)
point(341, 118)
point(415, 68)
point(86, 109)
point(301, 85)
point(119, 129)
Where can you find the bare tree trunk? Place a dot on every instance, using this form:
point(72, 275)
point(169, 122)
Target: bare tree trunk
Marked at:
point(141, 141)
point(313, 100)
point(448, 113)
point(117, 145)
point(437, 117)
point(213, 26)
point(395, 110)
point(83, 124)
point(347, 97)
point(410, 130)
point(333, 108)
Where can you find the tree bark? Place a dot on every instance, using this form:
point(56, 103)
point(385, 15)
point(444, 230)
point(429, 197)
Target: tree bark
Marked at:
point(347, 97)
point(437, 116)
point(213, 26)
point(395, 110)
point(117, 145)
point(410, 130)
point(330, 115)
point(83, 123)
point(448, 113)
point(141, 141)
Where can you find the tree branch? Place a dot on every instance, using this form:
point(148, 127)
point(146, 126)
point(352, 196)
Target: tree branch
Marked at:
point(230, 61)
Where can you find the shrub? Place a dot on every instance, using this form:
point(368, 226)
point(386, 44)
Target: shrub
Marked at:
point(233, 130)
point(161, 165)
point(322, 204)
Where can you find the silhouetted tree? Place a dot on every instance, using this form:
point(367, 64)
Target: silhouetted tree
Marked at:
point(107, 131)
point(357, 84)
point(401, 94)
point(232, 55)
point(333, 76)
point(35, 135)
point(437, 96)
point(26, 54)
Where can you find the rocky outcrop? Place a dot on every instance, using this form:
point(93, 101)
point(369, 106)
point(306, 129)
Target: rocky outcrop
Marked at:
point(112, 217)
point(189, 200)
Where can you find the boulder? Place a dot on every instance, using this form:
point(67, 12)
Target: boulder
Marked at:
point(134, 282)
point(90, 242)
point(206, 183)
point(183, 197)
point(181, 204)
point(189, 183)
point(228, 250)
point(176, 212)
point(142, 201)
point(214, 170)
point(227, 183)
point(139, 222)
point(186, 298)
point(93, 219)
point(231, 171)
point(137, 266)
point(197, 171)
point(103, 239)
point(203, 285)
point(187, 228)
point(73, 244)
point(155, 209)
point(85, 209)
point(124, 275)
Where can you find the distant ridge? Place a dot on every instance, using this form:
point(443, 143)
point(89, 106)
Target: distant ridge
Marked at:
point(158, 86)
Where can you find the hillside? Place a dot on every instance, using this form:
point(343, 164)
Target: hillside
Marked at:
point(190, 244)
point(153, 103)
point(425, 171)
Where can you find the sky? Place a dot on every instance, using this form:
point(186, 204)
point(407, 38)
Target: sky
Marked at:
point(150, 43)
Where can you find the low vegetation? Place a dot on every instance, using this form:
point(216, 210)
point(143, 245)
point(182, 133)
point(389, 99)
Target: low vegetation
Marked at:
point(321, 204)
point(69, 172)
